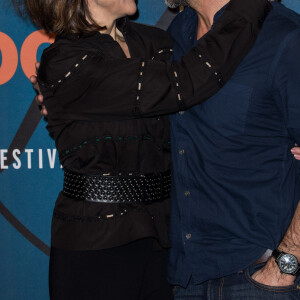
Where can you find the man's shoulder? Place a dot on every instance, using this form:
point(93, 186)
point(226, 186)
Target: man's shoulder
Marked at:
point(282, 20)
point(280, 32)
point(284, 11)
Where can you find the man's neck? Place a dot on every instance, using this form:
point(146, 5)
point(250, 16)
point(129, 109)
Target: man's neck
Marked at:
point(206, 10)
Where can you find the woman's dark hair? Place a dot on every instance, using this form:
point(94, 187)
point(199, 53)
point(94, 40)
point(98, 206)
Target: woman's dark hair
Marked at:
point(59, 16)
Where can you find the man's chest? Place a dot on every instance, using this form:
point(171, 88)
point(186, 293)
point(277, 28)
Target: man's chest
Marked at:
point(244, 106)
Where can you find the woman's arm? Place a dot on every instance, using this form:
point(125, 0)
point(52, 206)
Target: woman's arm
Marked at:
point(296, 152)
point(130, 88)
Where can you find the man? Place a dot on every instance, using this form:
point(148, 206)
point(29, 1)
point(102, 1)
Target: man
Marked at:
point(236, 186)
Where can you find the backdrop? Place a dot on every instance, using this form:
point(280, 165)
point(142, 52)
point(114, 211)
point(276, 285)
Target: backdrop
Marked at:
point(30, 172)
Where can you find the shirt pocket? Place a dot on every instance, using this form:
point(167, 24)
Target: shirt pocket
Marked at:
point(226, 112)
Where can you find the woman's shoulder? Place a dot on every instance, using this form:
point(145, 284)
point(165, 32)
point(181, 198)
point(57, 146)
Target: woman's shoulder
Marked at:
point(158, 37)
point(60, 57)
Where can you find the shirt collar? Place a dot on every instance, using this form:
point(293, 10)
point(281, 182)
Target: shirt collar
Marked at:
point(219, 13)
point(184, 30)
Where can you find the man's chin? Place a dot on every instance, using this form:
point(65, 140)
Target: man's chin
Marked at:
point(176, 3)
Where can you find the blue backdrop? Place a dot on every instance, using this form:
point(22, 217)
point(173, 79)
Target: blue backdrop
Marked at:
point(30, 182)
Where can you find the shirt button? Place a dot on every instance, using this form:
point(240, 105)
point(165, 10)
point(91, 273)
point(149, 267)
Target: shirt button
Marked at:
point(181, 151)
point(187, 193)
point(181, 113)
point(188, 236)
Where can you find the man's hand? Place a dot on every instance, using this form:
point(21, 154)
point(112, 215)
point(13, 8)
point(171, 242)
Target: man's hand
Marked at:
point(296, 152)
point(39, 97)
point(270, 275)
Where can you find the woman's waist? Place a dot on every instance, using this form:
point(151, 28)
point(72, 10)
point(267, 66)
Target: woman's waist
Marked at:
point(112, 155)
point(114, 161)
point(113, 187)
point(72, 210)
point(82, 225)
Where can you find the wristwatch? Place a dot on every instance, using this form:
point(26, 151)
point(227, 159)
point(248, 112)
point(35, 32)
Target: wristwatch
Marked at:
point(287, 263)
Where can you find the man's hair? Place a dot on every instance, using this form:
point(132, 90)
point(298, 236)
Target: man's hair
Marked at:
point(59, 16)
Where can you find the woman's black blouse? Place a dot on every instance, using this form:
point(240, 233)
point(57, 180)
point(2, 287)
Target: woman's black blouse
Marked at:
point(107, 115)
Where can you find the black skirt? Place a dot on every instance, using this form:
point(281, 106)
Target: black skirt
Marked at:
point(134, 271)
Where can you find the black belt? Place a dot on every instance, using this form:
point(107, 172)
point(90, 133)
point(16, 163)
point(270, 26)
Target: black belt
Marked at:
point(117, 189)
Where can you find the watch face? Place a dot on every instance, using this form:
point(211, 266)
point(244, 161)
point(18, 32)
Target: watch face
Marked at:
point(288, 263)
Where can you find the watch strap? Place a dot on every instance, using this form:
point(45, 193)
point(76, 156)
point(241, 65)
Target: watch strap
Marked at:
point(297, 272)
point(276, 253)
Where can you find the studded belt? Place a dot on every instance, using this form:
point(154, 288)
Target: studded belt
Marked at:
point(117, 189)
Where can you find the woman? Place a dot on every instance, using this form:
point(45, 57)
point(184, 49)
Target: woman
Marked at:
point(102, 74)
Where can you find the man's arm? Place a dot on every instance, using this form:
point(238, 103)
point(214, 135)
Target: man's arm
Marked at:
point(270, 273)
point(286, 89)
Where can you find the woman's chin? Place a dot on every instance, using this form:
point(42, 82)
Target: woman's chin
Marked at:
point(132, 10)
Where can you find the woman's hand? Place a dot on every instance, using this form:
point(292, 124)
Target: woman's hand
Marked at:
point(39, 97)
point(296, 152)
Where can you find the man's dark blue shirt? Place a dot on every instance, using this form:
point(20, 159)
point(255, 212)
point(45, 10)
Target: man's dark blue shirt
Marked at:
point(235, 181)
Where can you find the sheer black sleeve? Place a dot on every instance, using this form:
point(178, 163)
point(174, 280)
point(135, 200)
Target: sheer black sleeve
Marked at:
point(96, 86)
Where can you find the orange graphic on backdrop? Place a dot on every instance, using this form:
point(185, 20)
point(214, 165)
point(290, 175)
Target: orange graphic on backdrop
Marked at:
point(29, 50)
point(9, 53)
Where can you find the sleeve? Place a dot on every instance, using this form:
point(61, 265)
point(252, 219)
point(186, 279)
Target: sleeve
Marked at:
point(130, 88)
point(286, 85)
